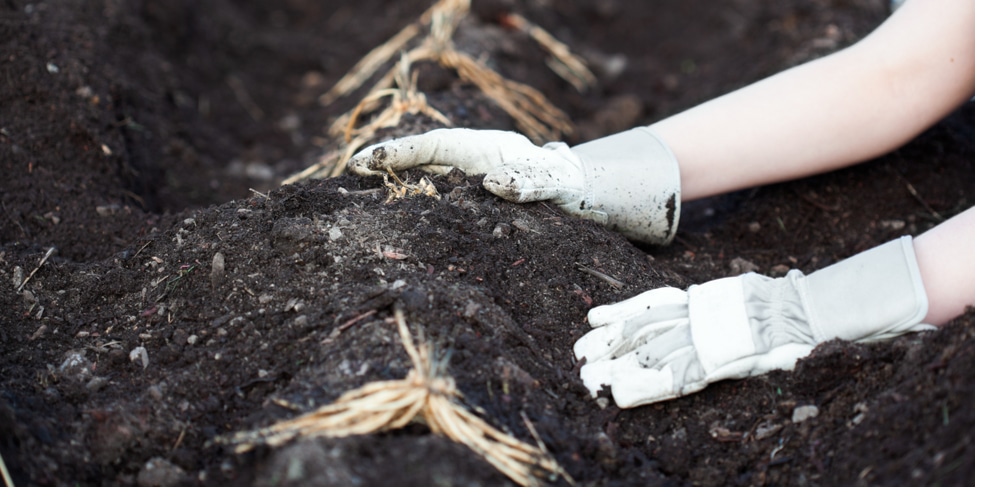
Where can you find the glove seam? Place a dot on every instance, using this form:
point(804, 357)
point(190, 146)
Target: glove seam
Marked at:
point(798, 282)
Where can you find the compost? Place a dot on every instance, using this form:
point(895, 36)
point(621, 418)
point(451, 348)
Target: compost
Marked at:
point(161, 291)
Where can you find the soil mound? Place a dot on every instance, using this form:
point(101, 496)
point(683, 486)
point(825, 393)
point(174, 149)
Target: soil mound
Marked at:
point(179, 307)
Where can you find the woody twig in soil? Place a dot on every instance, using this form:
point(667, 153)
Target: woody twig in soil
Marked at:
point(532, 112)
point(428, 395)
point(41, 263)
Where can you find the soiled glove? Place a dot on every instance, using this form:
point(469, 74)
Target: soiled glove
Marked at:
point(667, 342)
point(628, 182)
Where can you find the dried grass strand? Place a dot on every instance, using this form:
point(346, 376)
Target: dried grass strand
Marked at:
point(366, 67)
point(561, 61)
point(426, 394)
point(406, 99)
point(6, 474)
point(533, 114)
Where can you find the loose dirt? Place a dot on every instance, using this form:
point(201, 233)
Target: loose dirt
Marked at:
point(179, 306)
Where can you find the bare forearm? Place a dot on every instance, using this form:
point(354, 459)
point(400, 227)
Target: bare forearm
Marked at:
point(833, 112)
point(946, 256)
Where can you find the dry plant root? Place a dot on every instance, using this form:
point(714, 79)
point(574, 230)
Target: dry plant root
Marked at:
point(534, 115)
point(7, 481)
point(405, 99)
point(398, 188)
point(427, 394)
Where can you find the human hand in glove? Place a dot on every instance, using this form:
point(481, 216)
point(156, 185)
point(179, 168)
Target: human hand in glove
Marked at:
point(667, 342)
point(629, 181)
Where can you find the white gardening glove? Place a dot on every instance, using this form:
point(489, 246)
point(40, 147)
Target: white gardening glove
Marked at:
point(667, 342)
point(628, 182)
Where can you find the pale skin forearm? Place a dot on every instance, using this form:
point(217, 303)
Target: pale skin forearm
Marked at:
point(946, 256)
point(833, 112)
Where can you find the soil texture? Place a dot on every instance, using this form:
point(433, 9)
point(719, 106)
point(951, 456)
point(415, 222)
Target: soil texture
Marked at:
point(150, 302)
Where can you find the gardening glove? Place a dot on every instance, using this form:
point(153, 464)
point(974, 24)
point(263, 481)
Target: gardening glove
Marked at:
point(628, 182)
point(666, 342)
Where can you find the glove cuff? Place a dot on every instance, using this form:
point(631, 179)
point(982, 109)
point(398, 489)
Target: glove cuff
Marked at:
point(874, 295)
point(632, 185)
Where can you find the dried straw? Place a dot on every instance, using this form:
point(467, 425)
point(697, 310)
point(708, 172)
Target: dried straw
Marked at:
point(6, 475)
point(427, 394)
point(534, 115)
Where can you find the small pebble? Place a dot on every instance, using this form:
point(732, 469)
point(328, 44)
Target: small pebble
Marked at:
point(501, 231)
point(218, 269)
point(18, 276)
point(740, 265)
point(139, 355)
point(160, 472)
point(75, 365)
point(107, 210)
point(42, 330)
point(803, 413)
point(97, 383)
point(895, 225)
point(780, 270)
point(155, 392)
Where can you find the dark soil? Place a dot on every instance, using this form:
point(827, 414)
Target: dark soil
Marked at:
point(131, 132)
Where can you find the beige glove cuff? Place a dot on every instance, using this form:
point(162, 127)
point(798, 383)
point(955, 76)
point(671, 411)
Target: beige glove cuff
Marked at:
point(874, 295)
point(632, 185)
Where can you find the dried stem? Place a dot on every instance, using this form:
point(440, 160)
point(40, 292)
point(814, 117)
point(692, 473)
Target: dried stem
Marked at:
point(616, 284)
point(426, 393)
point(534, 115)
point(6, 475)
point(41, 263)
point(563, 62)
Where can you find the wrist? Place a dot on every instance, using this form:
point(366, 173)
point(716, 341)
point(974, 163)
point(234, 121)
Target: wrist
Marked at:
point(873, 295)
point(631, 185)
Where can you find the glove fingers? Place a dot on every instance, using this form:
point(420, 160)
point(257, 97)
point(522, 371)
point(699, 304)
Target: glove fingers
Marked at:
point(475, 152)
point(630, 308)
point(403, 153)
point(597, 344)
point(611, 341)
point(531, 181)
point(671, 346)
point(616, 339)
point(614, 373)
point(597, 374)
point(656, 363)
point(633, 385)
